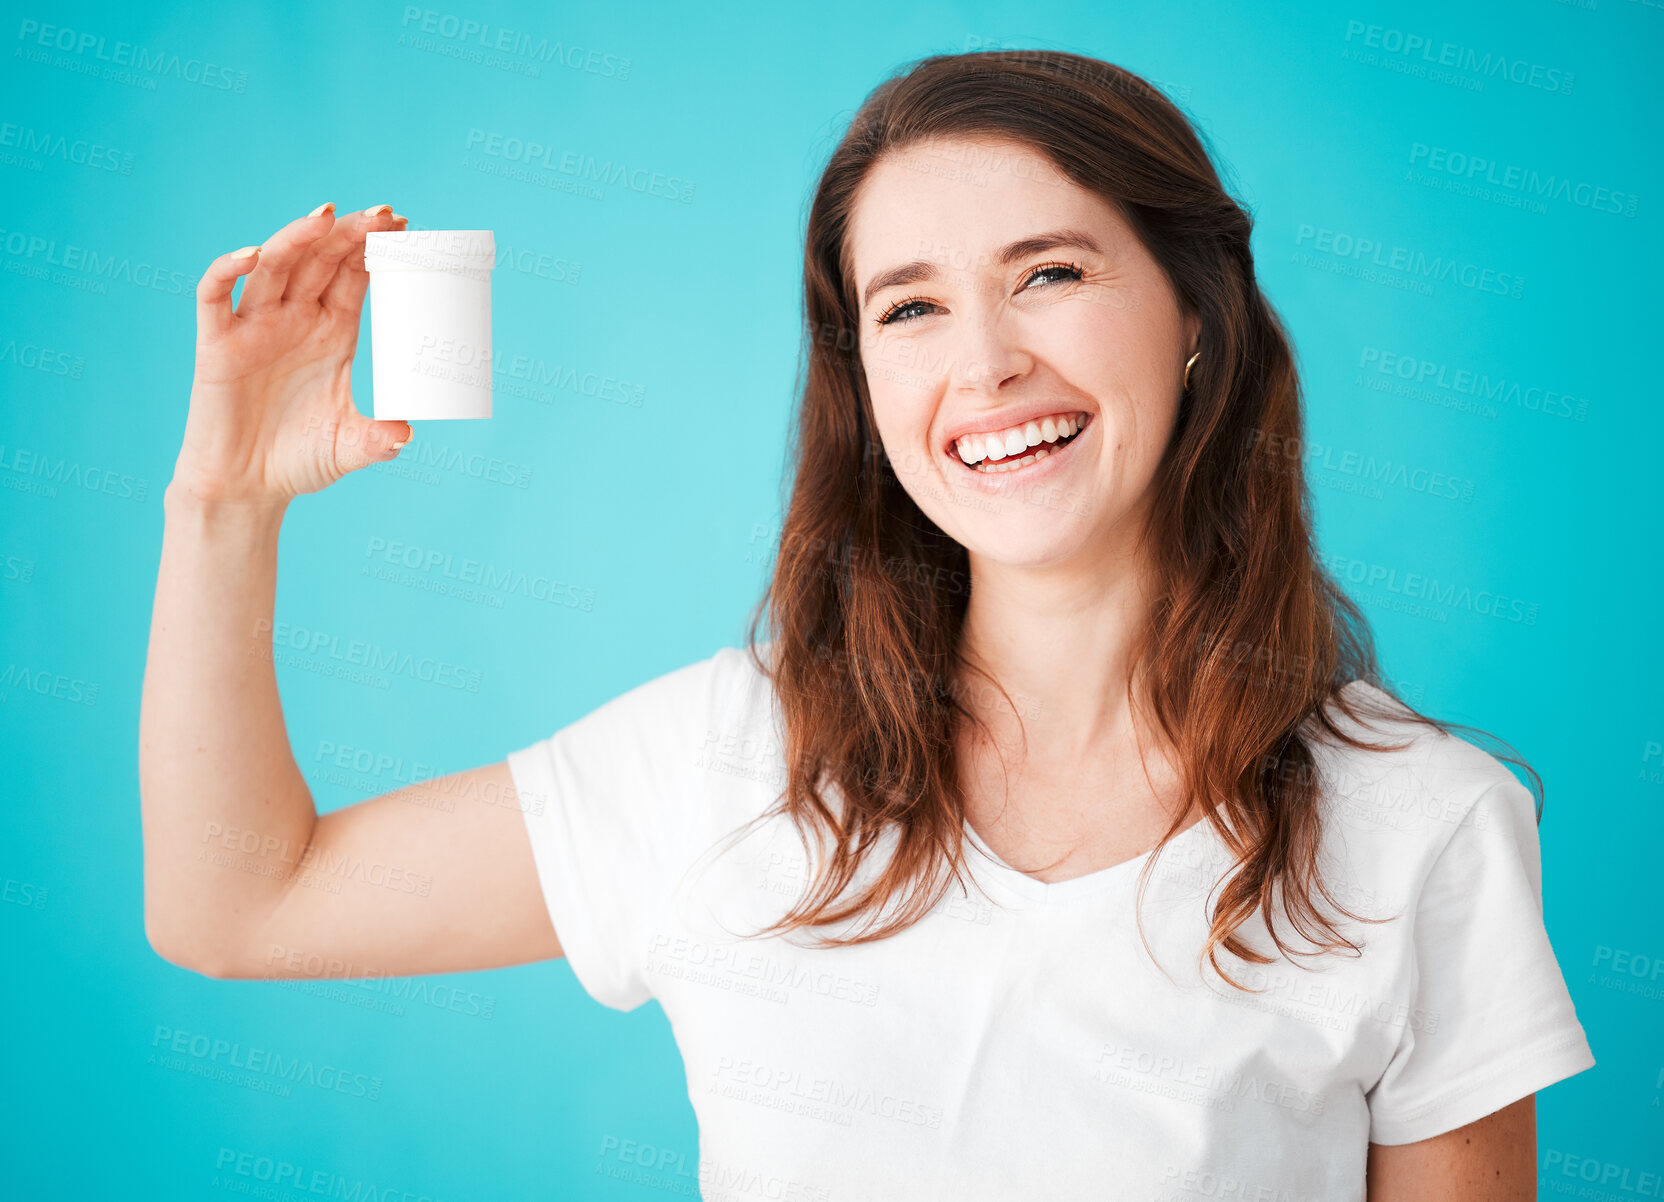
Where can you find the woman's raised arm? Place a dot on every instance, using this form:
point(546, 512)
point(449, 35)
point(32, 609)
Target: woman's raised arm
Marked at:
point(241, 876)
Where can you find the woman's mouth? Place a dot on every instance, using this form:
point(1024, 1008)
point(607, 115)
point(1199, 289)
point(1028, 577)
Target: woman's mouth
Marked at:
point(1019, 447)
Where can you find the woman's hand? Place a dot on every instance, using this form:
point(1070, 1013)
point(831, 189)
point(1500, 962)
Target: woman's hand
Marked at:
point(271, 412)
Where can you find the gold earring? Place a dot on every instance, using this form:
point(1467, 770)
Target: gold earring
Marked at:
point(1188, 364)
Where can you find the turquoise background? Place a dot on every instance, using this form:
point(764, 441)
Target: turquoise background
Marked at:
point(658, 494)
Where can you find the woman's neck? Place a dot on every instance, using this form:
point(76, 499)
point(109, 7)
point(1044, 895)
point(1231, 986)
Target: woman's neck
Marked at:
point(1060, 641)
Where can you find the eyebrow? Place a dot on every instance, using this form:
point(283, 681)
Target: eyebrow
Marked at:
point(920, 269)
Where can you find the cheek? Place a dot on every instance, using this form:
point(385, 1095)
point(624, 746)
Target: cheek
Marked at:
point(905, 451)
point(1097, 336)
point(1111, 349)
point(907, 371)
point(903, 414)
point(903, 395)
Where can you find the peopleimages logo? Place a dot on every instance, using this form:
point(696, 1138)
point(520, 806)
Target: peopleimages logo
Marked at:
point(223, 1059)
point(1430, 589)
point(276, 1173)
point(494, 579)
point(726, 966)
point(27, 140)
point(37, 39)
point(813, 1094)
point(370, 656)
point(1478, 169)
point(1409, 261)
point(582, 168)
point(1123, 1065)
point(1472, 382)
point(28, 470)
point(1435, 52)
point(37, 251)
point(1635, 1183)
point(321, 860)
point(1320, 458)
point(44, 683)
point(495, 39)
point(45, 359)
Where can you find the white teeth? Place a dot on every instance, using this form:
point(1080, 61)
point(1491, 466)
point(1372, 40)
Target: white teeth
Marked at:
point(1001, 446)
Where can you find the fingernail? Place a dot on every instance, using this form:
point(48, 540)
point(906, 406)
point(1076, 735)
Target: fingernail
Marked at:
point(326, 207)
point(400, 217)
point(245, 252)
point(378, 210)
point(400, 443)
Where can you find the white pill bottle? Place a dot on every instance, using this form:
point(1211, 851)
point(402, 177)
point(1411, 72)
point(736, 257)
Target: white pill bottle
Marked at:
point(430, 322)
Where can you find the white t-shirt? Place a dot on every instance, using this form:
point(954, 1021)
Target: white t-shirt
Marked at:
point(1023, 1043)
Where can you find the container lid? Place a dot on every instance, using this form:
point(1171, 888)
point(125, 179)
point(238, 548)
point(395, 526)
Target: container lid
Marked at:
point(461, 252)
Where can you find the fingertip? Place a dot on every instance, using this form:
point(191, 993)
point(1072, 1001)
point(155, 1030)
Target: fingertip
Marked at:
point(220, 280)
point(239, 262)
point(304, 231)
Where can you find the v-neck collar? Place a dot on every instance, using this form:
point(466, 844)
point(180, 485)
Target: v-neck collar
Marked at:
point(1030, 888)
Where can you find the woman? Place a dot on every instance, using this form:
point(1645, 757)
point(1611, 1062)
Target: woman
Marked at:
point(1061, 841)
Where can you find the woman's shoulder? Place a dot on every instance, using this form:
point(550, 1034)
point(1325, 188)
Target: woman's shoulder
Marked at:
point(722, 706)
point(1410, 780)
point(700, 705)
point(712, 684)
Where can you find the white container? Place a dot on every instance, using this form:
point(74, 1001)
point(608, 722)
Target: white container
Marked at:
point(430, 322)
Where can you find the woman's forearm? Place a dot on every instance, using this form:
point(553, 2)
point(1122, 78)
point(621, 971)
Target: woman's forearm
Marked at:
point(226, 812)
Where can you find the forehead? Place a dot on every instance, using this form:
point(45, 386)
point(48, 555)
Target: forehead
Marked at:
point(953, 200)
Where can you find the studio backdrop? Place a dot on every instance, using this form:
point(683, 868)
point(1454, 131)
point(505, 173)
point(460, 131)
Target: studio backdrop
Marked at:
point(1457, 212)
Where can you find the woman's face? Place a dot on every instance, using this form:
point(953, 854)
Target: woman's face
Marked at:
point(1002, 305)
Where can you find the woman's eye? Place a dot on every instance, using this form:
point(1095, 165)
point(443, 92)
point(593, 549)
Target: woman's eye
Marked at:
point(1053, 272)
point(905, 311)
point(1050, 273)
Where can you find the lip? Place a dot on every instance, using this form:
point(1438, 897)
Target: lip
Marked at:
point(1004, 419)
point(999, 481)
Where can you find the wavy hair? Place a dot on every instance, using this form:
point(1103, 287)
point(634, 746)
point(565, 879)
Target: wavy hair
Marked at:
point(1249, 638)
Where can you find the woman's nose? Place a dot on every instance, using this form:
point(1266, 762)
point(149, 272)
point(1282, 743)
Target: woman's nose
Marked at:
point(988, 356)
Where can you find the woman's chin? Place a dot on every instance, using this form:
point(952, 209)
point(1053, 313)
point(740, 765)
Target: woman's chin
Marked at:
point(1029, 541)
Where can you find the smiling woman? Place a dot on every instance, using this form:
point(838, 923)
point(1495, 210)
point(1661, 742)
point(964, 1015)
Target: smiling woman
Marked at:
point(1062, 840)
point(1089, 374)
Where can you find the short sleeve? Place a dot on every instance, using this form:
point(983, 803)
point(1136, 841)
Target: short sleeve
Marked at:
point(1495, 1020)
point(607, 802)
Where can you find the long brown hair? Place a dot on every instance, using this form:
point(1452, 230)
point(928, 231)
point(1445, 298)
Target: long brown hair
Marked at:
point(1249, 637)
